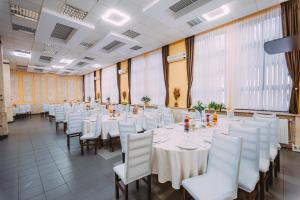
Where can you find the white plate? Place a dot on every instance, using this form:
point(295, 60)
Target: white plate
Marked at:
point(187, 146)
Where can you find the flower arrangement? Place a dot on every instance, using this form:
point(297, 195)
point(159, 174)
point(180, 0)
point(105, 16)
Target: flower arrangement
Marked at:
point(176, 94)
point(124, 95)
point(199, 106)
point(216, 106)
point(108, 99)
point(146, 99)
point(211, 105)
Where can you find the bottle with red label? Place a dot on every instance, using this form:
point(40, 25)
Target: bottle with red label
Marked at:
point(186, 123)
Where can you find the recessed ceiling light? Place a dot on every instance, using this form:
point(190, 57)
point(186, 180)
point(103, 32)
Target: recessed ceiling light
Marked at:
point(66, 61)
point(115, 17)
point(23, 54)
point(216, 13)
point(58, 67)
point(96, 65)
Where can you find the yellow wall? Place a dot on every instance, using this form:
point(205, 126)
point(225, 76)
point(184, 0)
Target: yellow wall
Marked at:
point(124, 81)
point(178, 75)
point(35, 88)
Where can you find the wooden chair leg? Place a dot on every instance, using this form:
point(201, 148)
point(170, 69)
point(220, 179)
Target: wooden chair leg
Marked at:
point(56, 125)
point(262, 185)
point(123, 157)
point(137, 184)
point(68, 142)
point(126, 192)
point(100, 143)
point(149, 186)
point(278, 161)
point(116, 186)
point(88, 145)
point(271, 173)
point(96, 146)
point(81, 147)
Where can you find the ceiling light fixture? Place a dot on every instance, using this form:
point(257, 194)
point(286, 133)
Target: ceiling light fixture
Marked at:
point(23, 54)
point(66, 61)
point(58, 67)
point(96, 65)
point(115, 17)
point(216, 13)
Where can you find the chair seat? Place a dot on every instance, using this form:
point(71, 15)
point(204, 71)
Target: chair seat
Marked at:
point(273, 153)
point(89, 136)
point(264, 165)
point(120, 171)
point(248, 177)
point(114, 134)
point(68, 133)
point(209, 186)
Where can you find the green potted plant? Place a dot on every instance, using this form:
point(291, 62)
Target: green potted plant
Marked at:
point(211, 105)
point(146, 100)
point(199, 106)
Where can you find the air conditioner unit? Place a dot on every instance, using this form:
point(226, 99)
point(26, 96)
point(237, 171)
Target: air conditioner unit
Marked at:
point(176, 57)
point(122, 71)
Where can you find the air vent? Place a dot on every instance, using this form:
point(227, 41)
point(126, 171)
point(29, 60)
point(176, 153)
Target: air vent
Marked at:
point(17, 27)
point(74, 12)
point(181, 5)
point(136, 47)
point(86, 44)
point(61, 31)
point(113, 46)
point(81, 64)
point(88, 58)
point(23, 51)
point(51, 49)
point(24, 13)
point(38, 70)
point(21, 67)
point(131, 33)
point(46, 59)
point(195, 21)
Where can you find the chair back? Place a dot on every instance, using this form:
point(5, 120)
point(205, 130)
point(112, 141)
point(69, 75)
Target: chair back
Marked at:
point(74, 123)
point(251, 145)
point(59, 113)
point(45, 107)
point(98, 127)
point(126, 128)
point(150, 123)
point(264, 136)
point(138, 156)
point(273, 129)
point(51, 110)
point(140, 121)
point(168, 119)
point(224, 158)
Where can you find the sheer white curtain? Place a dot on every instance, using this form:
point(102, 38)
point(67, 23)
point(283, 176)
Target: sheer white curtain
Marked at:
point(261, 81)
point(147, 78)
point(109, 84)
point(89, 91)
point(230, 66)
point(210, 67)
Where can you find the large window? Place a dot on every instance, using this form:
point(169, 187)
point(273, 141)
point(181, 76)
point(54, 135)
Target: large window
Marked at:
point(147, 78)
point(89, 93)
point(230, 65)
point(109, 84)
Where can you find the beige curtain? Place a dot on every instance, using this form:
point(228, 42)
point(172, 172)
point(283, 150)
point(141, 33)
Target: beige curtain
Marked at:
point(189, 45)
point(165, 54)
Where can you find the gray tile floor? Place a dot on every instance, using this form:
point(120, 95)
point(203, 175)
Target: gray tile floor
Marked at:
point(35, 164)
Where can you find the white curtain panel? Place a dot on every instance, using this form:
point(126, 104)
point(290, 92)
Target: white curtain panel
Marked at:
point(230, 66)
point(261, 81)
point(109, 84)
point(89, 90)
point(147, 78)
point(209, 67)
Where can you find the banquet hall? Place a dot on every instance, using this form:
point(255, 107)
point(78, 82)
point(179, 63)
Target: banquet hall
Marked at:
point(149, 99)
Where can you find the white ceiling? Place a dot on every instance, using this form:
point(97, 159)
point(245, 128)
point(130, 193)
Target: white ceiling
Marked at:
point(152, 19)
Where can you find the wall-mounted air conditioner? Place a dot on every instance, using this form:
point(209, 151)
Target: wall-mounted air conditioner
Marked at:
point(176, 57)
point(122, 71)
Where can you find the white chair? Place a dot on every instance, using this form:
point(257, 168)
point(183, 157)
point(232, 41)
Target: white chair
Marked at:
point(150, 123)
point(274, 146)
point(51, 112)
point(221, 179)
point(249, 166)
point(264, 161)
point(93, 136)
point(45, 110)
point(59, 115)
point(74, 124)
point(125, 128)
point(137, 163)
point(168, 119)
point(140, 122)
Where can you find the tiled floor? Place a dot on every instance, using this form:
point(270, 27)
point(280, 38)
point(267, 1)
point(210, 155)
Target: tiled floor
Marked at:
point(35, 164)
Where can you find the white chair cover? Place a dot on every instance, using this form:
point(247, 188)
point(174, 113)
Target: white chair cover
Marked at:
point(74, 123)
point(125, 128)
point(150, 123)
point(59, 113)
point(168, 119)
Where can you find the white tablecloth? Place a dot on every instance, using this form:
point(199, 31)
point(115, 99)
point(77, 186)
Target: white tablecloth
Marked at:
point(172, 163)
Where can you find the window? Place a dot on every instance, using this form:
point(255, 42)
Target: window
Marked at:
point(109, 84)
point(147, 78)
